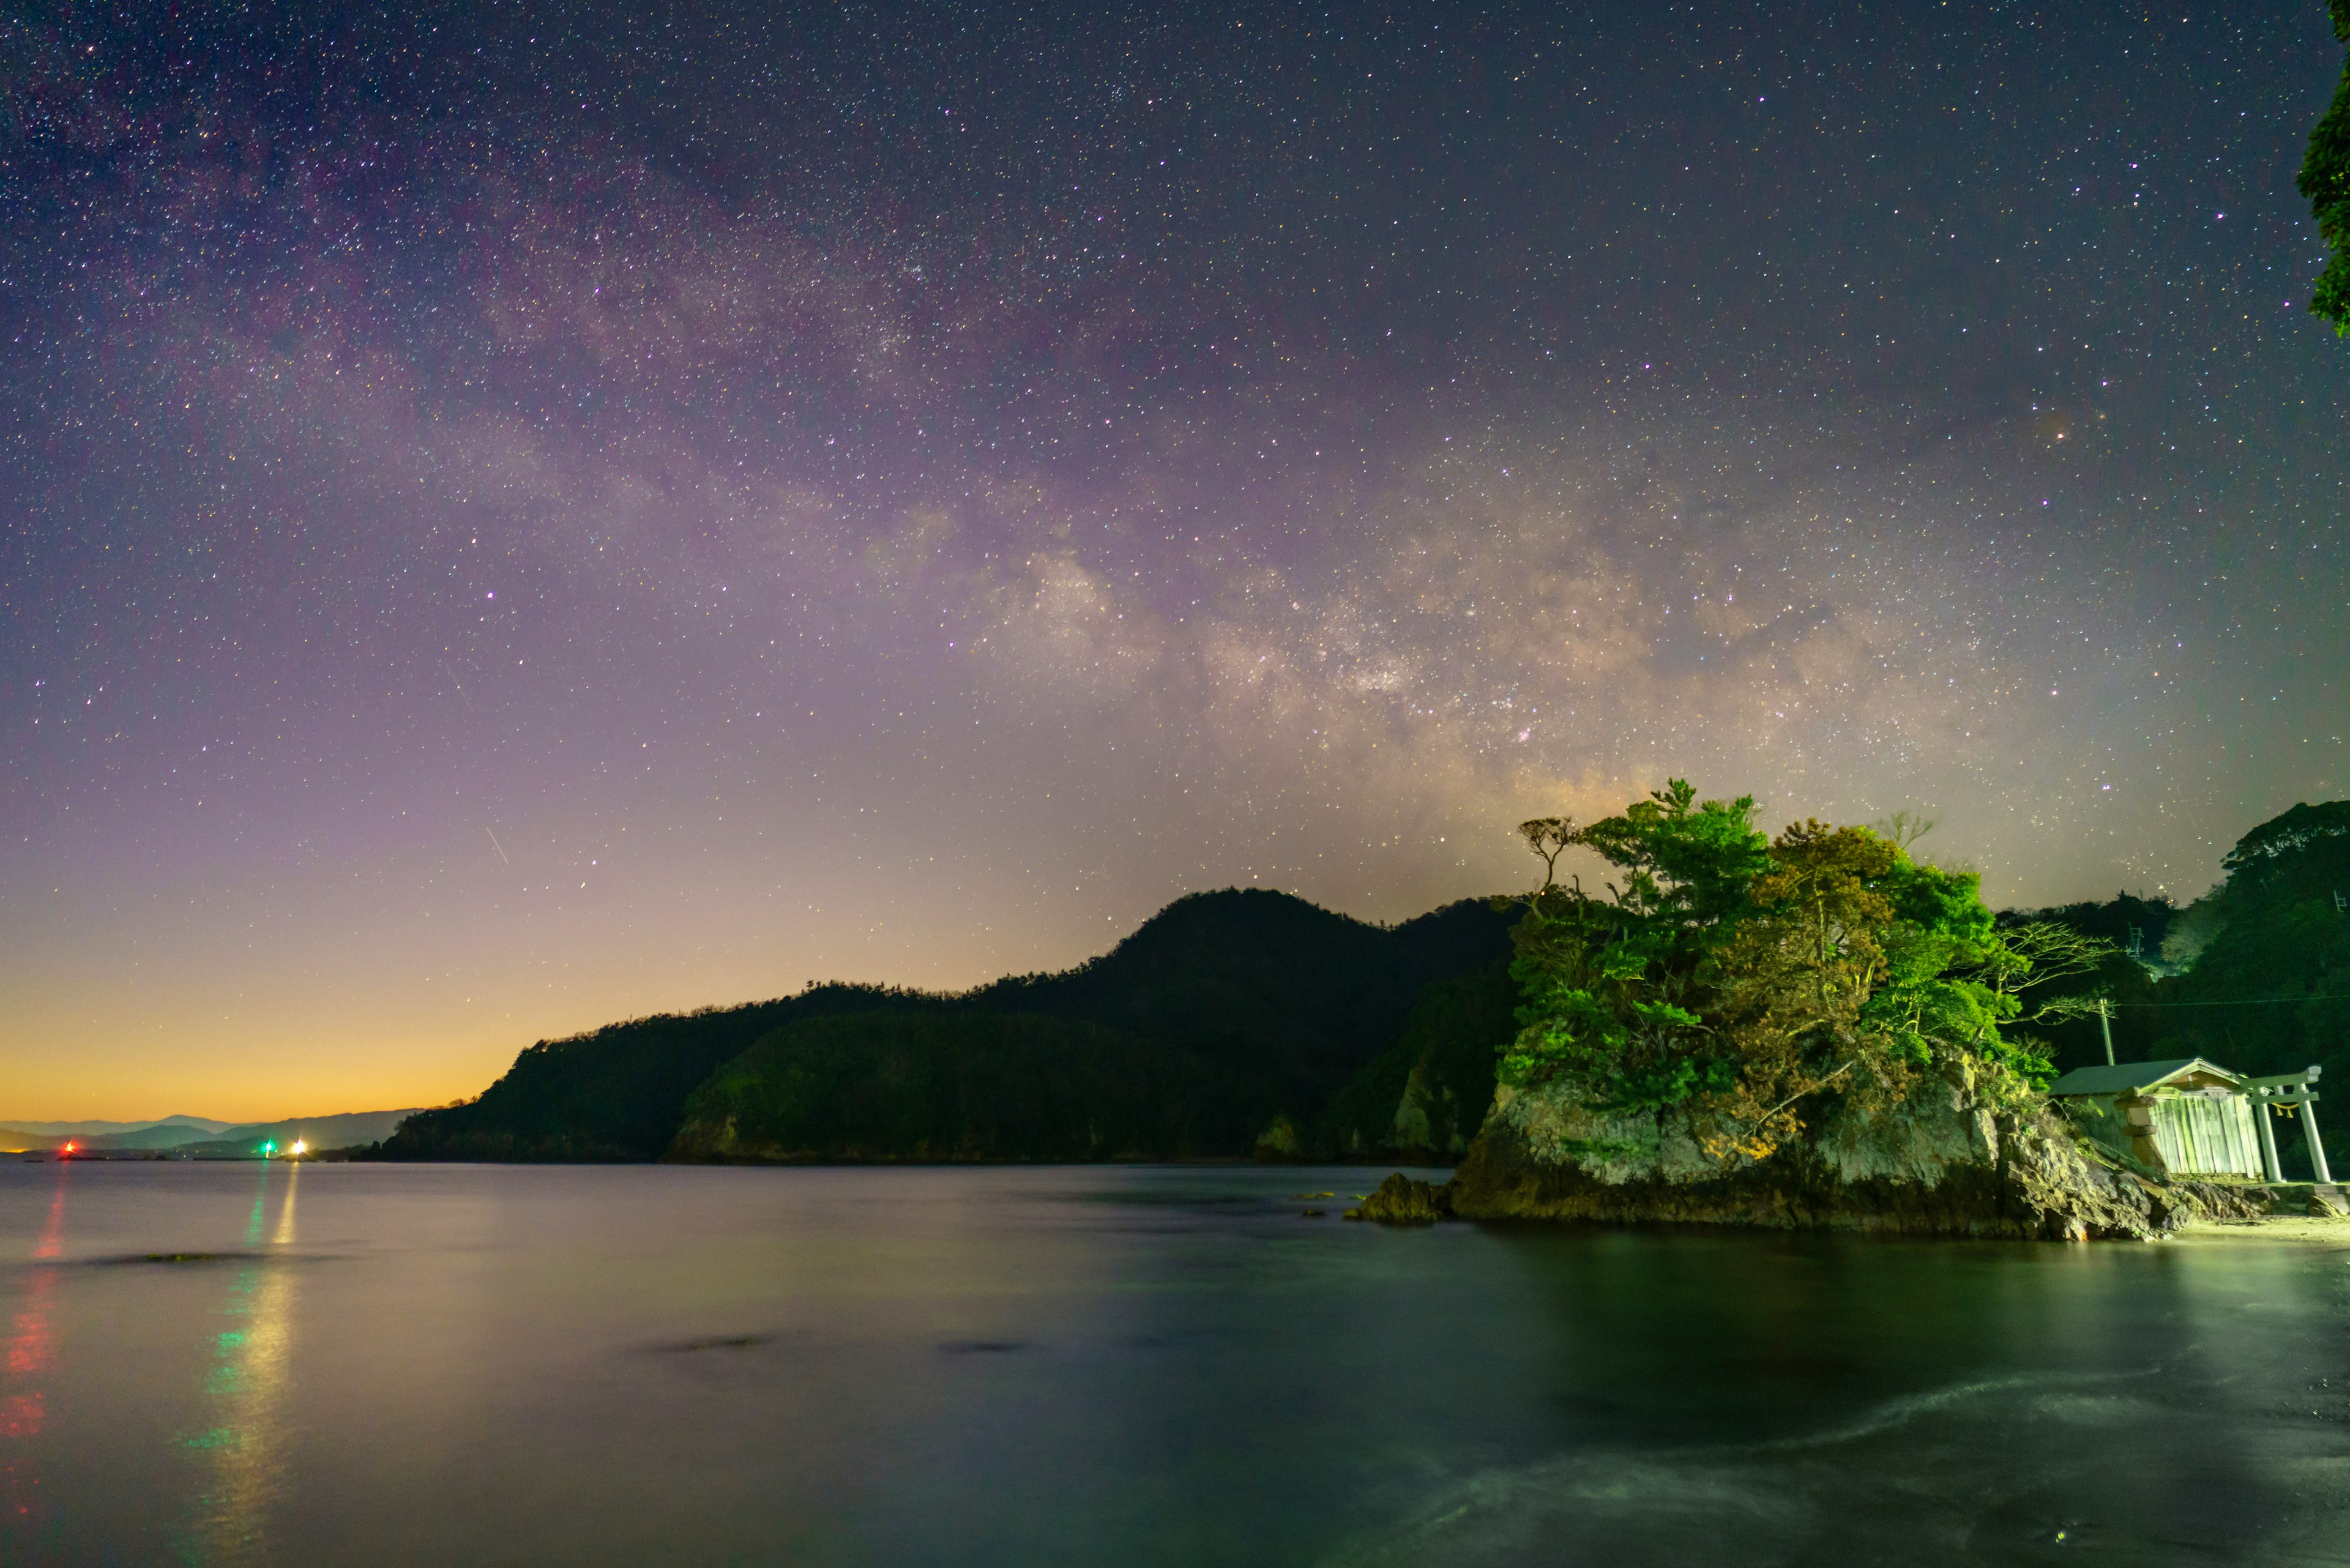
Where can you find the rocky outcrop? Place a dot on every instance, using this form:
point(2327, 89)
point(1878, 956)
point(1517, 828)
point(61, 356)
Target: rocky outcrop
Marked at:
point(1945, 1161)
point(1428, 1115)
point(1401, 1200)
point(1423, 1097)
point(1279, 1141)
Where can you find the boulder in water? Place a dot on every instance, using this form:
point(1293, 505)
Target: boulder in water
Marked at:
point(1951, 1159)
point(1401, 1200)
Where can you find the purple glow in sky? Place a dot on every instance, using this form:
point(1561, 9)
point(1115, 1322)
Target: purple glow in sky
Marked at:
point(521, 515)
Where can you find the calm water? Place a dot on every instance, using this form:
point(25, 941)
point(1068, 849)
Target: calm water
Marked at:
point(469, 1365)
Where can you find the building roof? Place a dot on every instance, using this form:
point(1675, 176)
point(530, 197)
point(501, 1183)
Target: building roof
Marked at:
point(2136, 1077)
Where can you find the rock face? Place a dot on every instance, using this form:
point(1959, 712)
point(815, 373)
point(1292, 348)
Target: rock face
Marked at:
point(1944, 1162)
point(1278, 1141)
point(1428, 1116)
point(1401, 1200)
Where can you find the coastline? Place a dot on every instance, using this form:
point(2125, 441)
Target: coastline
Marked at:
point(2299, 1229)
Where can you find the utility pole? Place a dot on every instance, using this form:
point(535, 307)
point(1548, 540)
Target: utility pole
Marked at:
point(2105, 1028)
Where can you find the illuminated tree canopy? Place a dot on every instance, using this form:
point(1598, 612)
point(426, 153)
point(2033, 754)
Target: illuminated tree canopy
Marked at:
point(2326, 181)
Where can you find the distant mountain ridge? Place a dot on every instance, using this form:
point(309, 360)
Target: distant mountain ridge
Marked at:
point(108, 1129)
point(195, 1135)
point(1226, 1018)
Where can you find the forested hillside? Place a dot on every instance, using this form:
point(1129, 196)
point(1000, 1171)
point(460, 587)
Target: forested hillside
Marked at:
point(2267, 953)
point(1252, 1020)
point(1219, 1014)
point(2254, 975)
point(616, 1093)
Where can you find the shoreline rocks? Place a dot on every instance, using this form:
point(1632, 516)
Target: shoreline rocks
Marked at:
point(1401, 1200)
point(1944, 1162)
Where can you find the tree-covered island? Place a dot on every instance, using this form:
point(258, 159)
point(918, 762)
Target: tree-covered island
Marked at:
point(1819, 1027)
point(1734, 978)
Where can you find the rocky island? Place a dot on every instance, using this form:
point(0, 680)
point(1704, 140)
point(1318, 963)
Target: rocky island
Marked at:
point(1943, 1163)
point(1818, 1032)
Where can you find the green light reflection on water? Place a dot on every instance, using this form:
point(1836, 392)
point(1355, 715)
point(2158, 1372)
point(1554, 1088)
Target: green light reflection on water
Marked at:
point(228, 1516)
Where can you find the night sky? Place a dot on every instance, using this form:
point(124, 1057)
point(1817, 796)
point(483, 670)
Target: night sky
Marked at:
point(520, 515)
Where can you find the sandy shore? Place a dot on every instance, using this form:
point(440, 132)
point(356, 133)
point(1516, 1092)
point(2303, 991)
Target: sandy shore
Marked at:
point(2275, 1228)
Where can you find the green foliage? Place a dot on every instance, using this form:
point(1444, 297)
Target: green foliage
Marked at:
point(2268, 982)
point(1424, 1097)
point(2266, 957)
point(617, 1093)
point(941, 1085)
point(2325, 182)
point(1279, 1001)
point(2290, 834)
point(1288, 999)
point(1614, 991)
point(2116, 921)
point(1686, 863)
point(1939, 959)
point(1736, 976)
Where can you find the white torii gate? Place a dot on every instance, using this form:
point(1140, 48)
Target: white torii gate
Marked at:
point(2289, 1089)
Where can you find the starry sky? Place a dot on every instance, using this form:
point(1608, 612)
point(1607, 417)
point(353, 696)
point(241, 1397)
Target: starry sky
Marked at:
point(515, 516)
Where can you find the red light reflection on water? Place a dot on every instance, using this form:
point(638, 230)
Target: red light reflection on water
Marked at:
point(32, 1343)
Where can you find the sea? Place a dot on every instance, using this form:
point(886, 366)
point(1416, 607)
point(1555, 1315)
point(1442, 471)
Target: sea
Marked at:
point(351, 1364)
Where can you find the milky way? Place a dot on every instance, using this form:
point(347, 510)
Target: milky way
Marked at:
point(523, 515)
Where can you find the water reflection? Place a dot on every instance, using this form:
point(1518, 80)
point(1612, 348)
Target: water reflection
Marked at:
point(1160, 1368)
point(1868, 1401)
point(32, 1345)
point(247, 1384)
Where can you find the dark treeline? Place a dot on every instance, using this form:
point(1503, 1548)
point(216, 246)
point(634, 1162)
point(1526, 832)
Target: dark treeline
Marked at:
point(961, 1083)
point(1224, 1016)
point(1248, 1020)
point(2254, 975)
point(616, 1093)
point(1426, 1094)
point(2136, 927)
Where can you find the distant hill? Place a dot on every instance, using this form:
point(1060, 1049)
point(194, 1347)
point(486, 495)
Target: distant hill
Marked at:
point(1222, 1013)
point(342, 1131)
point(1423, 1097)
point(615, 1094)
point(955, 1084)
point(1283, 999)
point(2267, 958)
point(31, 1135)
point(194, 1135)
point(169, 1134)
point(2261, 964)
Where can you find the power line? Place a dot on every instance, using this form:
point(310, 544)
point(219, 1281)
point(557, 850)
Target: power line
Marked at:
point(2243, 1001)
